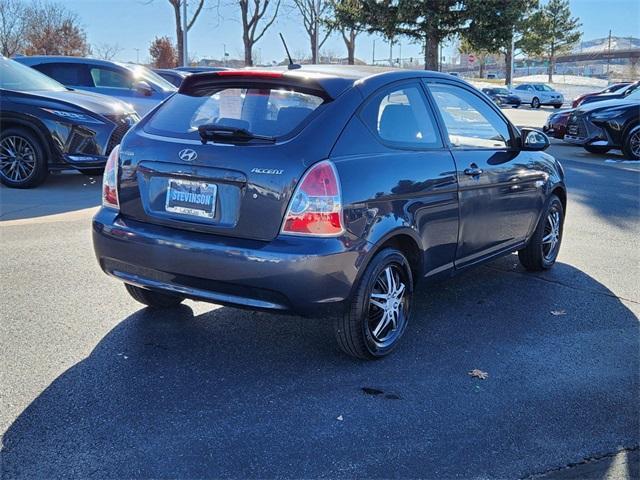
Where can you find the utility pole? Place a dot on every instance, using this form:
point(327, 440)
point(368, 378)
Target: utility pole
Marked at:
point(391, 52)
point(400, 56)
point(185, 54)
point(373, 54)
point(137, 55)
point(609, 57)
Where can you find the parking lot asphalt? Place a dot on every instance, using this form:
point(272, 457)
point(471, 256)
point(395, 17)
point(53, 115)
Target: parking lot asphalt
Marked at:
point(94, 386)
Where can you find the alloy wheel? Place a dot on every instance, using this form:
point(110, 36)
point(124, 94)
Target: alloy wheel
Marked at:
point(388, 306)
point(17, 158)
point(635, 144)
point(551, 237)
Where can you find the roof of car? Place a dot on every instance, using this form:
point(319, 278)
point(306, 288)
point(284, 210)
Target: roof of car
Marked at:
point(171, 71)
point(38, 59)
point(334, 79)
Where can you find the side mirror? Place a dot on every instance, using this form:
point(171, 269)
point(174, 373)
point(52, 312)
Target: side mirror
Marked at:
point(143, 88)
point(534, 140)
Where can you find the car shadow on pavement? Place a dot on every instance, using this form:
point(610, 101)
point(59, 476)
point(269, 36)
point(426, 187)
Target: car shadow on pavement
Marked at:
point(231, 393)
point(61, 193)
point(617, 205)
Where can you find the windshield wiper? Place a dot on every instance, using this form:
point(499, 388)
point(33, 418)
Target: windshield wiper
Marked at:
point(212, 132)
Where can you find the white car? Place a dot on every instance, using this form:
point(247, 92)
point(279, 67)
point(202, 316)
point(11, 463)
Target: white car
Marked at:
point(537, 94)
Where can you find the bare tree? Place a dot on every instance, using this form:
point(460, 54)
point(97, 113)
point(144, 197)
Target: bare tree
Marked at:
point(349, 37)
point(313, 13)
point(254, 12)
point(52, 29)
point(12, 27)
point(350, 18)
point(177, 10)
point(107, 51)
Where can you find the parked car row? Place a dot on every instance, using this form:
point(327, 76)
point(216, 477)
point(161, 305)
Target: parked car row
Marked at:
point(533, 94)
point(45, 126)
point(602, 123)
point(70, 112)
point(614, 92)
point(269, 164)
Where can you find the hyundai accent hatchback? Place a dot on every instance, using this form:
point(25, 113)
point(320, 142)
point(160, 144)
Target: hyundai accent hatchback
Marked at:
point(327, 192)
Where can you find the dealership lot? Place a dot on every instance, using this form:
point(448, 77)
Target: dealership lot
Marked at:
point(94, 385)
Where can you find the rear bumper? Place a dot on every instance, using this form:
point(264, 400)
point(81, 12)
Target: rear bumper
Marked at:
point(307, 276)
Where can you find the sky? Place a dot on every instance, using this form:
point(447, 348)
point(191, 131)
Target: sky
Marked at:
point(134, 23)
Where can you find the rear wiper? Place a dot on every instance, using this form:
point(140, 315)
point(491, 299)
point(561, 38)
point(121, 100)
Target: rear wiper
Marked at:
point(221, 132)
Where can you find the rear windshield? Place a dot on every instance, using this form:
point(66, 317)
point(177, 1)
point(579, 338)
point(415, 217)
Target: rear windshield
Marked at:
point(272, 112)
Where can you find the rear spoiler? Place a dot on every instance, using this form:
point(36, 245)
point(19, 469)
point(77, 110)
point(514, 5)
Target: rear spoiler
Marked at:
point(200, 84)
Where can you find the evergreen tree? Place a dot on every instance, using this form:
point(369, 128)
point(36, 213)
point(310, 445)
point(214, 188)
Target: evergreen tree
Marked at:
point(497, 25)
point(552, 31)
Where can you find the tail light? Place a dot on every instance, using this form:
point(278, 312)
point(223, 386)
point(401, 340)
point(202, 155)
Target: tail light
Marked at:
point(110, 180)
point(316, 206)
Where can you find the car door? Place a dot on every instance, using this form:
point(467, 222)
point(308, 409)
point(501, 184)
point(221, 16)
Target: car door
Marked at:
point(525, 92)
point(500, 186)
point(403, 172)
point(120, 83)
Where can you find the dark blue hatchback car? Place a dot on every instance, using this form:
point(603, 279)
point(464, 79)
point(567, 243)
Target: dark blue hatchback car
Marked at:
point(323, 191)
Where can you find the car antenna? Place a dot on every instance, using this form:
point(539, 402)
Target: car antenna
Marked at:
point(291, 66)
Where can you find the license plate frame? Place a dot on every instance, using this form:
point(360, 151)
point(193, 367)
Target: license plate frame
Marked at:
point(191, 198)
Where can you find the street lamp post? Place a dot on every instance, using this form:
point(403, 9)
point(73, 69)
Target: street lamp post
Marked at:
point(185, 55)
point(317, 31)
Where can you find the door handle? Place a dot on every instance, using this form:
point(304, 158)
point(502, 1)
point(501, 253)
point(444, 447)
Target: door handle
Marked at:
point(473, 171)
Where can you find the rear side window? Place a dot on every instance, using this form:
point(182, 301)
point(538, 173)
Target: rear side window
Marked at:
point(74, 74)
point(400, 116)
point(269, 111)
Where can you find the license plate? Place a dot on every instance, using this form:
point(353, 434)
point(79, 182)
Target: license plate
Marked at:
point(187, 197)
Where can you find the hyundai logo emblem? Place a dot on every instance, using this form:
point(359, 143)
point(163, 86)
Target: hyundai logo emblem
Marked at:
point(187, 155)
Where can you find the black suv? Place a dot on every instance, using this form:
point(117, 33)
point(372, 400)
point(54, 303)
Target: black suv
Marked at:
point(324, 191)
point(46, 126)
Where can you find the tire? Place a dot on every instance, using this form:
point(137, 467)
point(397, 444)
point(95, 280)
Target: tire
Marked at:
point(541, 253)
point(23, 161)
point(596, 149)
point(355, 329)
point(535, 103)
point(631, 147)
point(153, 298)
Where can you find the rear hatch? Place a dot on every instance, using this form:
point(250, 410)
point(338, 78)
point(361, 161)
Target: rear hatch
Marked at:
point(225, 153)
